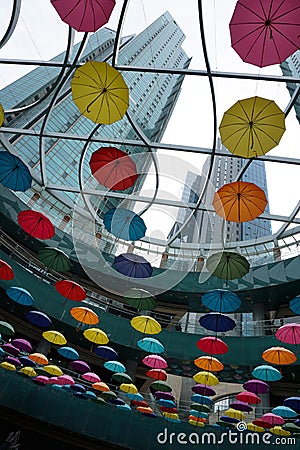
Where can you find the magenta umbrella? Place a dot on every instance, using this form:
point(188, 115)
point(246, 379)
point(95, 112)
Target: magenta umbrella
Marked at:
point(241, 406)
point(11, 349)
point(22, 344)
point(265, 32)
point(155, 361)
point(84, 15)
point(13, 360)
point(256, 386)
point(80, 366)
point(91, 377)
point(65, 380)
point(273, 419)
point(289, 333)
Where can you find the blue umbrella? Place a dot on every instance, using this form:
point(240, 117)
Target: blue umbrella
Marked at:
point(137, 396)
point(115, 366)
point(2, 352)
point(25, 361)
point(199, 414)
point(266, 373)
point(293, 402)
point(133, 265)
point(125, 224)
point(217, 322)
point(39, 319)
point(285, 412)
point(68, 353)
point(117, 401)
point(151, 345)
point(20, 295)
point(124, 407)
point(221, 300)
point(89, 394)
point(77, 387)
point(295, 305)
point(14, 174)
point(106, 352)
point(229, 419)
point(167, 403)
point(201, 399)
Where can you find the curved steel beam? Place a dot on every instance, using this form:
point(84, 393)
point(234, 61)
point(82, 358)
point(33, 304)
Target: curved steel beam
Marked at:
point(12, 23)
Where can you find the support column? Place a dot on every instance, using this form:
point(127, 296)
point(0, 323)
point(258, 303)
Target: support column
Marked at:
point(259, 316)
point(131, 368)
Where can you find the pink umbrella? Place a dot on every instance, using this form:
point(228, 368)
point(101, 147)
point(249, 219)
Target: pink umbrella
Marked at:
point(84, 15)
point(265, 32)
point(22, 344)
point(91, 377)
point(273, 419)
point(41, 379)
point(289, 333)
point(65, 379)
point(53, 380)
point(155, 361)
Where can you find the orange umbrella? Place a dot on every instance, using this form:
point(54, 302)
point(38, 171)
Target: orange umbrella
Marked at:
point(84, 315)
point(239, 201)
point(38, 358)
point(279, 355)
point(209, 363)
point(100, 386)
point(145, 410)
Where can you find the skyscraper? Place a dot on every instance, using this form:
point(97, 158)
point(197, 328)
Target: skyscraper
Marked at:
point(291, 67)
point(56, 161)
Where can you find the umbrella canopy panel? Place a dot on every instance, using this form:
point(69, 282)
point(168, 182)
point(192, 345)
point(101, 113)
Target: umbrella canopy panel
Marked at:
point(36, 224)
point(13, 173)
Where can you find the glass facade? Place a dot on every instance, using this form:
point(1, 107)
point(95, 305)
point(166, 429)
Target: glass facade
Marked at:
point(291, 68)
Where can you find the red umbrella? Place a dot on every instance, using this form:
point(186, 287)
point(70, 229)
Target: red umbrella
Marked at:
point(70, 290)
point(265, 32)
point(113, 168)
point(84, 15)
point(6, 272)
point(157, 374)
point(36, 224)
point(141, 403)
point(212, 345)
point(248, 397)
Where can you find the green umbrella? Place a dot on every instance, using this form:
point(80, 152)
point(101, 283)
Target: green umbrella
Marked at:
point(6, 328)
point(225, 424)
point(201, 408)
point(54, 259)
point(291, 427)
point(140, 299)
point(99, 400)
point(227, 265)
point(109, 395)
point(160, 385)
point(122, 377)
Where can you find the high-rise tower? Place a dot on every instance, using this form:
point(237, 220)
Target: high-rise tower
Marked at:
point(291, 67)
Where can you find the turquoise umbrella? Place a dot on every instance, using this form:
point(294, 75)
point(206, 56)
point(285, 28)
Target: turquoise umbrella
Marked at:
point(14, 174)
point(221, 301)
point(151, 345)
point(20, 295)
point(266, 373)
point(68, 353)
point(199, 414)
point(125, 224)
point(285, 412)
point(115, 366)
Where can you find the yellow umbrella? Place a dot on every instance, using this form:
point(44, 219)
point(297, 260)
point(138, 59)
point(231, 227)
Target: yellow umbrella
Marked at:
point(252, 127)
point(146, 324)
point(279, 355)
point(170, 415)
point(280, 431)
point(7, 366)
point(29, 371)
point(129, 388)
point(196, 423)
point(96, 336)
point(1, 115)
point(209, 363)
point(206, 378)
point(252, 427)
point(55, 337)
point(100, 92)
point(53, 370)
point(235, 414)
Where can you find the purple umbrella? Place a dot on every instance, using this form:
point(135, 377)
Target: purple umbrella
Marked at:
point(133, 265)
point(10, 348)
point(39, 319)
point(80, 366)
point(106, 352)
point(256, 386)
point(203, 390)
point(23, 345)
point(241, 406)
point(13, 360)
point(164, 395)
point(117, 401)
point(25, 361)
point(293, 402)
point(78, 387)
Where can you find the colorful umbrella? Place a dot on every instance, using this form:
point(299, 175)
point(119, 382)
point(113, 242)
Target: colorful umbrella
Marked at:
point(20, 295)
point(55, 337)
point(206, 378)
point(137, 399)
point(203, 389)
point(279, 355)
point(273, 419)
point(248, 397)
point(256, 386)
point(289, 333)
point(133, 266)
point(124, 224)
point(68, 353)
point(166, 395)
point(241, 406)
point(151, 345)
point(157, 374)
point(145, 324)
point(295, 304)
point(6, 272)
point(6, 328)
point(22, 344)
point(13, 172)
point(227, 265)
point(199, 414)
point(115, 366)
point(221, 300)
point(155, 361)
point(293, 402)
point(252, 427)
point(39, 358)
point(212, 345)
point(70, 290)
point(201, 399)
point(291, 427)
point(96, 336)
point(239, 201)
point(285, 412)
point(80, 366)
point(265, 373)
point(106, 352)
point(100, 386)
point(217, 322)
point(209, 363)
point(129, 388)
point(265, 33)
point(8, 366)
point(280, 431)
point(113, 168)
point(39, 319)
point(84, 15)
point(235, 414)
point(77, 387)
point(36, 224)
point(28, 371)
point(160, 385)
point(229, 419)
point(122, 377)
point(199, 407)
point(11, 349)
point(53, 370)
point(27, 361)
point(84, 316)
point(66, 380)
point(91, 377)
point(140, 299)
point(100, 92)
point(54, 259)
point(1, 115)
point(109, 395)
point(251, 128)
point(13, 360)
